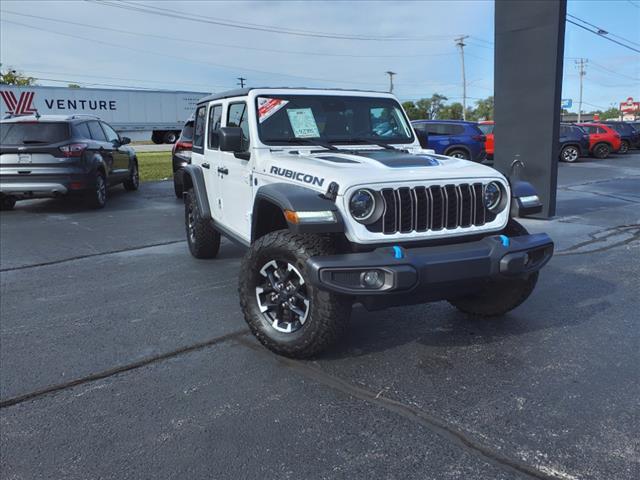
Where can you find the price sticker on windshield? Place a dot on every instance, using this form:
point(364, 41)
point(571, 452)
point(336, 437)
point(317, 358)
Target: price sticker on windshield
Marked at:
point(303, 123)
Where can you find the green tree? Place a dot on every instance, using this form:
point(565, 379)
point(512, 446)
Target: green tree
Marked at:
point(484, 109)
point(452, 111)
point(11, 77)
point(610, 113)
point(74, 85)
point(412, 111)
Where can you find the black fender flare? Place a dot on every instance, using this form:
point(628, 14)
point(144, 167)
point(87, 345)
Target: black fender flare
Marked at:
point(193, 177)
point(296, 198)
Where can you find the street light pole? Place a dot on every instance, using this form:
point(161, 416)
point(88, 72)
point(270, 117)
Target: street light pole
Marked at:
point(582, 62)
point(460, 43)
point(391, 74)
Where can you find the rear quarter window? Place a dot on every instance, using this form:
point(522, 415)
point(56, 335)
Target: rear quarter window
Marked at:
point(32, 133)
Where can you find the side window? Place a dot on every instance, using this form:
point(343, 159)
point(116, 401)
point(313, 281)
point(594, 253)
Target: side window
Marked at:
point(456, 129)
point(435, 129)
point(82, 130)
point(111, 134)
point(96, 131)
point(215, 118)
point(601, 130)
point(237, 117)
point(198, 129)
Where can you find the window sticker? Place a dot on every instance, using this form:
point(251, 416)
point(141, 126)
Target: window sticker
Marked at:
point(269, 106)
point(303, 123)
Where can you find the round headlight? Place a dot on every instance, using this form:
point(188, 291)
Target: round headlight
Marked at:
point(362, 205)
point(492, 195)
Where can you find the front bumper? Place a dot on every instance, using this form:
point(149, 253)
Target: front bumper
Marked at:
point(419, 275)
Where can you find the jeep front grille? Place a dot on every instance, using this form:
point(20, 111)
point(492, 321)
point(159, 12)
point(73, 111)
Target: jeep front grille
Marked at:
point(421, 209)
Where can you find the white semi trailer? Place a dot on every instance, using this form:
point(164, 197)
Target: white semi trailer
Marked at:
point(138, 114)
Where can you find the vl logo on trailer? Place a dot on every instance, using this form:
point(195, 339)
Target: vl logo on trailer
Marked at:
point(18, 106)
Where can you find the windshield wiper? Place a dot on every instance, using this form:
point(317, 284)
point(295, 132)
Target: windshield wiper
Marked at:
point(384, 145)
point(30, 142)
point(309, 141)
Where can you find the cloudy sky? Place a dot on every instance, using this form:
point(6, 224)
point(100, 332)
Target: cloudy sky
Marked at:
point(193, 45)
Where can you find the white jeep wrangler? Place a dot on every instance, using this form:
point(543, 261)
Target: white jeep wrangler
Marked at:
point(338, 203)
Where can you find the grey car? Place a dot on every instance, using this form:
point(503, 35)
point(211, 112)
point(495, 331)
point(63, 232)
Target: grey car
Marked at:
point(53, 155)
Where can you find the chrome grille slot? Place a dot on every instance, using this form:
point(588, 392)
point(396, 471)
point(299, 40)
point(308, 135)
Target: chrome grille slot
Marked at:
point(422, 209)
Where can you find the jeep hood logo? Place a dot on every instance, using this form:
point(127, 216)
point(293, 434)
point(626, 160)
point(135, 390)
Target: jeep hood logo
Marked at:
point(299, 176)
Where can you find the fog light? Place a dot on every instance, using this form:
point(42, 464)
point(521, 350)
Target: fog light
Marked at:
point(372, 279)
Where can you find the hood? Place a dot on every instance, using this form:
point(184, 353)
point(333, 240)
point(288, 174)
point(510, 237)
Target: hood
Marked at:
point(368, 166)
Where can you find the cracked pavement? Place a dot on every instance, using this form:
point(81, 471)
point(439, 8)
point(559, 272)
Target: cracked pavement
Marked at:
point(124, 357)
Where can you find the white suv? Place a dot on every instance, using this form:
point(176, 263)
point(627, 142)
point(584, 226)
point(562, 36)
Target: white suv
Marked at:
point(338, 203)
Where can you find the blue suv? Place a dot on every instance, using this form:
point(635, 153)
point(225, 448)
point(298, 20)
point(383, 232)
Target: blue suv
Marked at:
point(574, 142)
point(452, 137)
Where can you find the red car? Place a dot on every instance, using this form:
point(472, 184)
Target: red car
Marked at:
point(603, 139)
point(487, 129)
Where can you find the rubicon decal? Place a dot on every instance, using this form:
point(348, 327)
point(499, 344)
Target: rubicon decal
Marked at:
point(299, 176)
point(21, 106)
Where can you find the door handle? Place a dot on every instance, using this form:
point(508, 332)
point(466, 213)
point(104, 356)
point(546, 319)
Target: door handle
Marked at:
point(206, 165)
point(223, 171)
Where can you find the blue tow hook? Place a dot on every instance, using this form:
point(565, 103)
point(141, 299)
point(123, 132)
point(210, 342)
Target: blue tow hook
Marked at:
point(505, 240)
point(397, 252)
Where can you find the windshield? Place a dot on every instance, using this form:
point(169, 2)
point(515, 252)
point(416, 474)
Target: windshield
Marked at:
point(31, 133)
point(296, 119)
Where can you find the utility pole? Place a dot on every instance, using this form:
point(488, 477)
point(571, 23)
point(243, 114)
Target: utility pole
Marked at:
point(581, 63)
point(460, 43)
point(391, 74)
point(241, 82)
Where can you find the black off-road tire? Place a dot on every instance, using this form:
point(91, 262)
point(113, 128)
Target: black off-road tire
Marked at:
point(601, 151)
point(328, 313)
point(570, 154)
point(7, 202)
point(202, 238)
point(499, 296)
point(97, 196)
point(624, 147)
point(132, 183)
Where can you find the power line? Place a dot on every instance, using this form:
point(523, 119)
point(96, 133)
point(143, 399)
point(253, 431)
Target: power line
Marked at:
point(602, 35)
point(189, 60)
point(223, 45)
point(165, 12)
point(601, 31)
point(601, 67)
point(634, 4)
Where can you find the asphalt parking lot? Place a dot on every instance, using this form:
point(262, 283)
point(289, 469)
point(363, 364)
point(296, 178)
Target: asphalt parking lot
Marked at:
point(124, 357)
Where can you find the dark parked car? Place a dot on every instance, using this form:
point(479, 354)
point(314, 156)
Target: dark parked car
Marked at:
point(181, 155)
point(574, 142)
point(452, 137)
point(56, 155)
point(629, 135)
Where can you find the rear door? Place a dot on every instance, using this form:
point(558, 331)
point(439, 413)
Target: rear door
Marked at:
point(214, 160)
point(105, 148)
point(120, 154)
point(438, 136)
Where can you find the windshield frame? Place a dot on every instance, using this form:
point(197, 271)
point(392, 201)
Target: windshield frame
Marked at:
point(284, 143)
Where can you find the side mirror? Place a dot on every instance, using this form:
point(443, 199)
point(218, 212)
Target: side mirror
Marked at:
point(124, 140)
point(230, 139)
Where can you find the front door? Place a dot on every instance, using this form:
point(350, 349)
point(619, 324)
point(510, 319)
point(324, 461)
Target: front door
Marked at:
point(235, 175)
point(120, 154)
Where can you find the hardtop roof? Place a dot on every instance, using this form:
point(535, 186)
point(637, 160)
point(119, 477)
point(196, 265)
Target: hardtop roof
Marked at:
point(243, 92)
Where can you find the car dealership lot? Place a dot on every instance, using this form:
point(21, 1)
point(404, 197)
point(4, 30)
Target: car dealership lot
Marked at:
point(124, 357)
